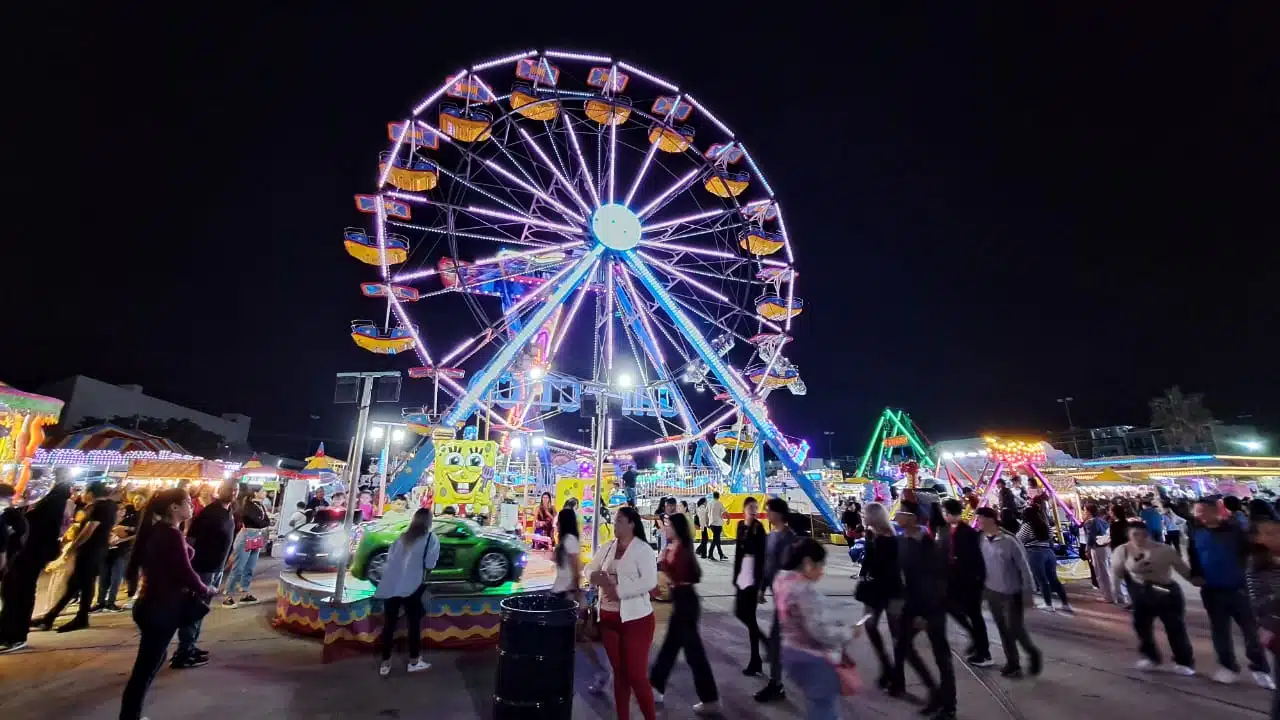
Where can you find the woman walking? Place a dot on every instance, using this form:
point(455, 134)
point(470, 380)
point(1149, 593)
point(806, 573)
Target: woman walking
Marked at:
point(42, 546)
point(679, 563)
point(568, 585)
point(1147, 567)
point(1264, 593)
point(880, 586)
point(813, 632)
point(404, 582)
point(1036, 537)
point(254, 517)
point(172, 593)
point(748, 579)
point(625, 571)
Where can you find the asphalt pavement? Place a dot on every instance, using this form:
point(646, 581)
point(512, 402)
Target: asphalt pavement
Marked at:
point(258, 672)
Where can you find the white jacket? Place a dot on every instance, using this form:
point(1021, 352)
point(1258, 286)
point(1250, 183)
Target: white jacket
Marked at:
point(637, 574)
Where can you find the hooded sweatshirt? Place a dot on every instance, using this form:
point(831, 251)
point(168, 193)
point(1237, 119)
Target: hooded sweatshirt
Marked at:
point(1219, 555)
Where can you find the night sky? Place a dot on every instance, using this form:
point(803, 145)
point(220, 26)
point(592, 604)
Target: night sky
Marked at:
point(990, 209)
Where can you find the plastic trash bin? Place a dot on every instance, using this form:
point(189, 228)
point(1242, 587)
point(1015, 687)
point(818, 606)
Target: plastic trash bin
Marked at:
point(535, 658)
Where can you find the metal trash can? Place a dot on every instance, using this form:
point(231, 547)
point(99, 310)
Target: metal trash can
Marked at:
point(535, 658)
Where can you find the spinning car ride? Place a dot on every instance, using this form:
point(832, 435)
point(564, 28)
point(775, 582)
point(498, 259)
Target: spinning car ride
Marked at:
point(468, 552)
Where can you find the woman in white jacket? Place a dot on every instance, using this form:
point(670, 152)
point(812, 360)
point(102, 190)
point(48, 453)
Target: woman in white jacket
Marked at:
point(626, 570)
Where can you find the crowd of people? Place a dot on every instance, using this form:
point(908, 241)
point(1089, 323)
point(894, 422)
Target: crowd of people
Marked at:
point(172, 549)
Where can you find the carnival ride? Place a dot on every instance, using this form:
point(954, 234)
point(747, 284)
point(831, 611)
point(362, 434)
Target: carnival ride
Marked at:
point(23, 418)
point(604, 258)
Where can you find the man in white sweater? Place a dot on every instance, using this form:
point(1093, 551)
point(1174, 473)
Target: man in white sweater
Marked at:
point(1009, 590)
point(715, 519)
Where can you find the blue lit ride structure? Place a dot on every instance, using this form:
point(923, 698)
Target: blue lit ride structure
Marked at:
point(613, 242)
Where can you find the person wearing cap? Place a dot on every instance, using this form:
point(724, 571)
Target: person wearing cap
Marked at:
point(1218, 550)
point(1009, 590)
point(1148, 566)
point(924, 607)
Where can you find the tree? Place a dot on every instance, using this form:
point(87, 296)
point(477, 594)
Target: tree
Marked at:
point(195, 439)
point(1186, 422)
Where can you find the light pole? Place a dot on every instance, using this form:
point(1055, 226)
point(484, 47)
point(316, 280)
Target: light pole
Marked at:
point(1066, 406)
point(388, 432)
point(622, 382)
point(829, 434)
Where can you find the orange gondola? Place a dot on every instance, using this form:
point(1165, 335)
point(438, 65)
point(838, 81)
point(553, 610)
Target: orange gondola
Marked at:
point(671, 139)
point(609, 111)
point(465, 124)
point(727, 184)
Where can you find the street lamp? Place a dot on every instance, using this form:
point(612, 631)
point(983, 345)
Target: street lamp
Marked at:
point(829, 434)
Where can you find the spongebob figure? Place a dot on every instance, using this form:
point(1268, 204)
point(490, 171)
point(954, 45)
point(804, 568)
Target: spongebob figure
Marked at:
point(464, 471)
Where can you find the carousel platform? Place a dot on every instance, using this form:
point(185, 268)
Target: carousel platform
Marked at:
point(459, 615)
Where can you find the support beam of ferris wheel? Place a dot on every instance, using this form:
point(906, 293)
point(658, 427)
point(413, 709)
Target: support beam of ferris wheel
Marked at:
point(577, 150)
point(555, 169)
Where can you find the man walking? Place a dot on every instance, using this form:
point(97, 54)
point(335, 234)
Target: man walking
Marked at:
point(212, 533)
point(1097, 536)
point(777, 544)
point(1009, 589)
point(90, 550)
point(924, 607)
point(966, 577)
point(1219, 552)
point(715, 518)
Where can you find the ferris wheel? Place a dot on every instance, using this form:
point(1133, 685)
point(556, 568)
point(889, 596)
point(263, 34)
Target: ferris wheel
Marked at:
point(600, 233)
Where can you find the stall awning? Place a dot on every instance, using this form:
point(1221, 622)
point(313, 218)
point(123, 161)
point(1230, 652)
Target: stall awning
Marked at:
point(194, 470)
point(1111, 477)
point(110, 437)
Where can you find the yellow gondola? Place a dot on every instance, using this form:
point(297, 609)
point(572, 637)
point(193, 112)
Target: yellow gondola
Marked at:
point(370, 337)
point(760, 242)
point(735, 439)
point(727, 184)
point(609, 111)
point(470, 125)
point(528, 104)
point(777, 377)
point(671, 139)
point(365, 249)
point(413, 175)
point(773, 307)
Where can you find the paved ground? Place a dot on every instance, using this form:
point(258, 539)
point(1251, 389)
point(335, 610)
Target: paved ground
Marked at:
point(259, 673)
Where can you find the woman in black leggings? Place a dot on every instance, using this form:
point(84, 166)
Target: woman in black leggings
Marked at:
point(880, 585)
point(409, 560)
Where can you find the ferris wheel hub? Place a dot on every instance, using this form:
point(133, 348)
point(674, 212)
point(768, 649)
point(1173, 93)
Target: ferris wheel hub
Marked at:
point(615, 227)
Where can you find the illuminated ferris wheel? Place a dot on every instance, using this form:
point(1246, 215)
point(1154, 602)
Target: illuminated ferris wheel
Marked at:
point(602, 232)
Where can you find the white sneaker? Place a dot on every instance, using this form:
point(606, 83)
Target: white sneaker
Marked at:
point(384, 669)
point(706, 708)
point(1224, 676)
point(659, 697)
point(418, 666)
point(1145, 665)
point(1264, 680)
point(1182, 670)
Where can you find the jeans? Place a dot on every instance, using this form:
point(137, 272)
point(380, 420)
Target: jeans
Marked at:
point(744, 608)
point(944, 694)
point(966, 610)
point(682, 634)
point(1044, 566)
point(773, 648)
point(109, 579)
point(242, 571)
point(1007, 610)
point(157, 625)
point(189, 634)
point(715, 541)
point(1224, 606)
point(1167, 603)
point(413, 611)
point(819, 682)
point(1101, 557)
point(627, 644)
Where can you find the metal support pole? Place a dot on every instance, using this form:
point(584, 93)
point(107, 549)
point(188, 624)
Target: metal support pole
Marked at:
point(602, 403)
point(357, 454)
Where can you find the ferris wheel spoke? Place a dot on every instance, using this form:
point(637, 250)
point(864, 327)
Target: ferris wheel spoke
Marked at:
point(467, 153)
point(573, 312)
point(565, 212)
point(680, 274)
point(521, 218)
point(613, 160)
point(577, 150)
point(496, 259)
point(554, 167)
point(678, 186)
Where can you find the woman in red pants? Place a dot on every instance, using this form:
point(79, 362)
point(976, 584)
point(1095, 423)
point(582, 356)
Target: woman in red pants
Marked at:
point(626, 570)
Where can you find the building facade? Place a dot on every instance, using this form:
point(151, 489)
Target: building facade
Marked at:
point(86, 397)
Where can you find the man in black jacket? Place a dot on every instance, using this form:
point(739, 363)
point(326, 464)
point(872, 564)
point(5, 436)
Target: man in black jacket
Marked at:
point(966, 574)
point(748, 578)
point(924, 584)
point(211, 535)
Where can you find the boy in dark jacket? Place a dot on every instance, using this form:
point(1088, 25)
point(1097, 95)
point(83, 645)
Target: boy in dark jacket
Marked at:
point(924, 607)
point(966, 573)
point(1219, 553)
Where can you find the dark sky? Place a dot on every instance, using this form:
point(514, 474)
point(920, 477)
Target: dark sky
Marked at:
point(990, 209)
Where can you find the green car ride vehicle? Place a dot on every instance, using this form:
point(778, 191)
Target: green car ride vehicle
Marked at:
point(468, 552)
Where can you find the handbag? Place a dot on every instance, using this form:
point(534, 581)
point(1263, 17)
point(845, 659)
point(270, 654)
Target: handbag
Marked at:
point(255, 542)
